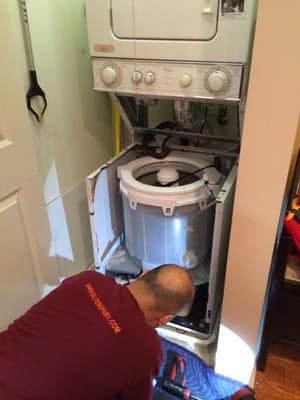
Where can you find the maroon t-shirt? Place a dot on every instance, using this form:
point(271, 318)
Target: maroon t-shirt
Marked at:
point(86, 340)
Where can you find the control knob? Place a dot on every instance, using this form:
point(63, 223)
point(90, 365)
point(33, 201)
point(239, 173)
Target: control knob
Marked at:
point(218, 81)
point(110, 74)
point(149, 77)
point(136, 76)
point(186, 80)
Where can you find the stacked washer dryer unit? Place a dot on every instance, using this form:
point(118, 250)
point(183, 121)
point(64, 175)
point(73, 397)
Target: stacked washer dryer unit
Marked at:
point(157, 203)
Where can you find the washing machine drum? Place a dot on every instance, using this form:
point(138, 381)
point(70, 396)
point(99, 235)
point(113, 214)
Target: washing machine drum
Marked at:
point(168, 209)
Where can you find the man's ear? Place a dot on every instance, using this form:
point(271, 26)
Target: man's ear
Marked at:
point(164, 319)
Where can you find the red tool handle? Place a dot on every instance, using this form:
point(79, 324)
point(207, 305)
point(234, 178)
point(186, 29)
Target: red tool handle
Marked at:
point(177, 371)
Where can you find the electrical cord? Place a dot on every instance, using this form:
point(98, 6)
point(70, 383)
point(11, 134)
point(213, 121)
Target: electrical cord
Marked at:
point(188, 175)
point(166, 140)
point(183, 177)
point(154, 151)
point(204, 124)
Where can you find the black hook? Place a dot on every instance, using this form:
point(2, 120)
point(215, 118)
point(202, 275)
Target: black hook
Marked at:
point(34, 91)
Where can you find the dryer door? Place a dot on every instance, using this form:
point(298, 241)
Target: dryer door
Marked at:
point(165, 19)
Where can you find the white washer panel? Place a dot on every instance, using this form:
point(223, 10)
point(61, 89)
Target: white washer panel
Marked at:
point(169, 79)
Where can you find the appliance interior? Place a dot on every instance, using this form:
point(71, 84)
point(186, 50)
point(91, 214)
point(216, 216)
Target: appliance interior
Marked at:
point(125, 232)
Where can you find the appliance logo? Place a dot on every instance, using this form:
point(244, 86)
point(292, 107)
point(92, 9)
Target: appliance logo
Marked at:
point(104, 48)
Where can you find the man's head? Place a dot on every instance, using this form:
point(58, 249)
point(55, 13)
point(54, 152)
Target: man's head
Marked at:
point(162, 292)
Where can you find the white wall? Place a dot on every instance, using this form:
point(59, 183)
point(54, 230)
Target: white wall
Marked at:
point(271, 119)
point(75, 136)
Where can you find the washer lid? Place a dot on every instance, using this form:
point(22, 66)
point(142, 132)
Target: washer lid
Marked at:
point(197, 181)
point(168, 19)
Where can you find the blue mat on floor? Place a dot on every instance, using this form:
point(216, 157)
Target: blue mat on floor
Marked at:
point(201, 379)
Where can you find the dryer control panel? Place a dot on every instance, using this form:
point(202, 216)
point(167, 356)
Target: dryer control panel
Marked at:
point(169, 79)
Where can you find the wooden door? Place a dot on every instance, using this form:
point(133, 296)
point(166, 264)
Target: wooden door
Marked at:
point(25, 238)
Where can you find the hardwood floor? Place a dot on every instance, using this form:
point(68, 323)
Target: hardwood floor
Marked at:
point(281, 378)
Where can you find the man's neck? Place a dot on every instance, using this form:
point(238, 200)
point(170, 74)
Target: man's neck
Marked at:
point(143, 300)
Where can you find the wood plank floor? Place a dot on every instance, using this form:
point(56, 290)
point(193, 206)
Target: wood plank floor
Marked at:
point(281, 378)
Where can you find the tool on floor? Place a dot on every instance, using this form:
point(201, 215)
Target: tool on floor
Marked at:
point(174, 379)
point(243, 394)
point(34, 89)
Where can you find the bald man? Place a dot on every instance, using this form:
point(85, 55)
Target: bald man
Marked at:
point(92, 339)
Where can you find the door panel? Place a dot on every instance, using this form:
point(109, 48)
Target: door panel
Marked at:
point(105, 206)
point(165, 19)
point(24, 231)
point(19, 284)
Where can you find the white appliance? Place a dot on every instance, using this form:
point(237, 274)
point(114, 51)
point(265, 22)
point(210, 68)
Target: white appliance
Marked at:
point(144, 50)
point(196, 49)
